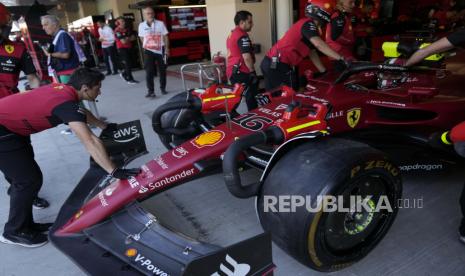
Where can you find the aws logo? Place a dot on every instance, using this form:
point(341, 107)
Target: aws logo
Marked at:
point(126, 135)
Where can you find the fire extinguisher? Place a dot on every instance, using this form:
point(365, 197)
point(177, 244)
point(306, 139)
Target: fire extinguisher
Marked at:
point(220, 60)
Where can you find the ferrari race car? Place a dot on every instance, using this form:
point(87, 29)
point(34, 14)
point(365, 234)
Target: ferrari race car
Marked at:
point(344, 135)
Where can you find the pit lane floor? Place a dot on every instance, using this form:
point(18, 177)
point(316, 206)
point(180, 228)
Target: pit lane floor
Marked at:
point(421, 242)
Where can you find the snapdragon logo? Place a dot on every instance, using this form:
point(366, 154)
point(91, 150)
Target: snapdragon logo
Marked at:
point(422, 167)
point(326, 203)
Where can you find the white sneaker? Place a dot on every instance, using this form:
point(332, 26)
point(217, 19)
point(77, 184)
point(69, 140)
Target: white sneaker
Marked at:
point(462, 239)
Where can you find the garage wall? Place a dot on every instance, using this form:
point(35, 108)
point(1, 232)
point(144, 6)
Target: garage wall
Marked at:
point(220, 15)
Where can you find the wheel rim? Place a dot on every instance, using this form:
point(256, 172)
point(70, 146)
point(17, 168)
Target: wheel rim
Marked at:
point(348, 231)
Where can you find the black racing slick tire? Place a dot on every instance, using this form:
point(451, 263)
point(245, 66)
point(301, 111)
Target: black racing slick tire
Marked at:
point(328, 240)
point(179, 118)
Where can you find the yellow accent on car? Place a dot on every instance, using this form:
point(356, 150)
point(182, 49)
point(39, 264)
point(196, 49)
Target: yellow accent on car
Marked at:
point(444, 139)
point(219, 98)
point(390, 51)
point(299, 127)
point(311, 239)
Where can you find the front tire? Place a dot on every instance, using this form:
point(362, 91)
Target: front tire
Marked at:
point(330, 241)
point(180, 118)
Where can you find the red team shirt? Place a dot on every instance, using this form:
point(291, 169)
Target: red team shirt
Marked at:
point(40, 109)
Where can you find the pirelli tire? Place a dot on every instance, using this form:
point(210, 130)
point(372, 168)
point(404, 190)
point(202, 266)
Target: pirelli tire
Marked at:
point(179, 118)
point(330, 241)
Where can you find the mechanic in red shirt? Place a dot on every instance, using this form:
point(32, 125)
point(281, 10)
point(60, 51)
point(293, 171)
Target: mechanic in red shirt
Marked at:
point(27, 113)
point(14, 58)
point(300, 41)
point(241, 58)
point(124, 38)
point(340, 33)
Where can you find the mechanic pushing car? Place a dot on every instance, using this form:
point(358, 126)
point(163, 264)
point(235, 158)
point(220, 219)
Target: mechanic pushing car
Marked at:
point(457, 135)
point(241, 58)
point(27, 113)
point(300, 41)
point(340, 32)
point(14, 58)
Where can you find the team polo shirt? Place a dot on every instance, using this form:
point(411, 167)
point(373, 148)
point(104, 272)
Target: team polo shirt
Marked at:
point(152, 35)
point(14, 58)
point(40, 109)
point(120, 34)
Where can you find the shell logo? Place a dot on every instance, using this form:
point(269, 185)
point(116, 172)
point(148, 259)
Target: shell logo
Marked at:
point(210, 138)
point(131, 252)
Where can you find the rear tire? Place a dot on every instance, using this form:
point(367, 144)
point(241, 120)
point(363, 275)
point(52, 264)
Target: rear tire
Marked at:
point(179, 118)
point(330, 241)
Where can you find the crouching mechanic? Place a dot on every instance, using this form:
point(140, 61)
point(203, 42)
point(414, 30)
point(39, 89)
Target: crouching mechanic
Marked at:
point(300, 41)
point(27, 113)
point(455, 137)
point(457, 134)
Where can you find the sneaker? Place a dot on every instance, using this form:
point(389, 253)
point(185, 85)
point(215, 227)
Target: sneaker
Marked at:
point(40, 203)
point(163, 91)
point(27, 239)
point(150, 95)
point(132, 82)
point(67, 132)
point(115, 73)
point(121, 75)
point(108, 74)
point(41, 227)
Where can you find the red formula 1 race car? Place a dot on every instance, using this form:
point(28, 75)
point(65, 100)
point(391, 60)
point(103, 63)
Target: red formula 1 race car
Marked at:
point(343, 136)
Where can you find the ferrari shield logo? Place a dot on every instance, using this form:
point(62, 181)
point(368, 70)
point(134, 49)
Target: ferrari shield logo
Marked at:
point(353, 117)
point(210, 138)
point(9, 48)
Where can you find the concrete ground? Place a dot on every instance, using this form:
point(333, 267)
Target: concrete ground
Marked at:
point(422, 241)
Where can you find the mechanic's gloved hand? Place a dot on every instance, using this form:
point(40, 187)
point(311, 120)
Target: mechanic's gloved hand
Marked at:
point(111, 127)
point(319, 74)
point(107, 133)
point(253, 78)
point(262, 99)
point(124, 173)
